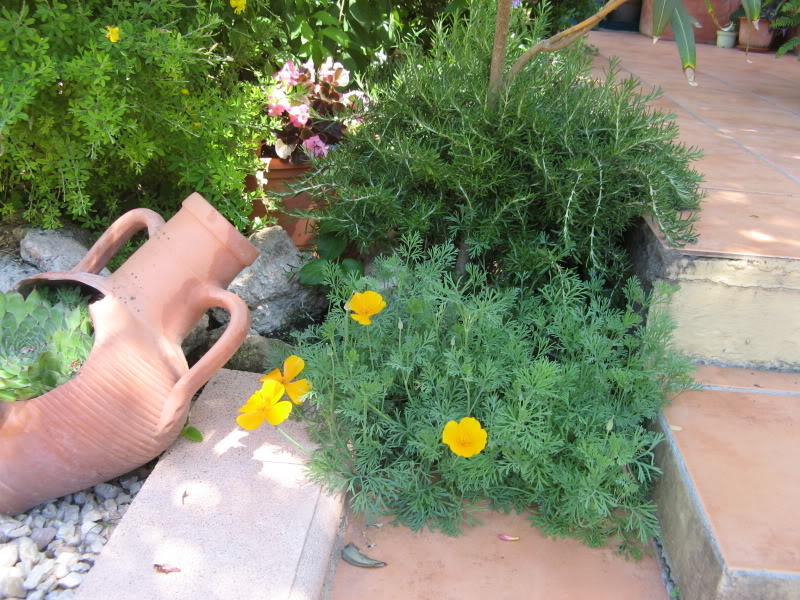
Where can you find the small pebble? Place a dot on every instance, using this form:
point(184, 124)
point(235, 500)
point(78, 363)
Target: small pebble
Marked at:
point(72, 580)
point(43, 536)
point(28, 550)
point(9, 554)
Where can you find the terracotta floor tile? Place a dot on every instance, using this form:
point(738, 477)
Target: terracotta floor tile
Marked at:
point(741, 451)
point(747, 223)
point(477, 566)
point(742, 170)
point(748, 379)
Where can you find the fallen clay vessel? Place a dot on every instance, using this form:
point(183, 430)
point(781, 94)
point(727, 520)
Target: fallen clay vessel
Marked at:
point(131, 397)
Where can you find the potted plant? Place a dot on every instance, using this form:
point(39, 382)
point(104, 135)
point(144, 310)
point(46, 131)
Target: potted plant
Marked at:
point(313, 114)
point(757, 36)
point(727, 36)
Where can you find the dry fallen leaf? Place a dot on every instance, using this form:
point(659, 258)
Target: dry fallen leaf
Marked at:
point(676, 428)
point(166, 569)
point(508, 538)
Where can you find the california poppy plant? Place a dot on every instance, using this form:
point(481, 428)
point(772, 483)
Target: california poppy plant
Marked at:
point(365, 305)
point(292, 367)
point(265, 405)
point(465, 438)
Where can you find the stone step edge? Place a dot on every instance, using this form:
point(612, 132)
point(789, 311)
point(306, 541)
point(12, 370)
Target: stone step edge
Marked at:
point(694, 530)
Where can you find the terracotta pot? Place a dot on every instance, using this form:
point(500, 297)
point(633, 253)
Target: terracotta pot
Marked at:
point(697, 8)
point(278, 174)
point(131, 397)
point(758, 40)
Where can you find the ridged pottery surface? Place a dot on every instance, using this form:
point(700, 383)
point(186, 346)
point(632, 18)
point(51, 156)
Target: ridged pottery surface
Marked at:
point(130, 399)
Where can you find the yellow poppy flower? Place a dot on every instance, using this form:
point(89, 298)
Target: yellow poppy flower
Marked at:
point(238, 6)
point(265, 405)
point(365, 305)
point(112, 34)
point(185, 92)
point(465, 438)
point(291, 369)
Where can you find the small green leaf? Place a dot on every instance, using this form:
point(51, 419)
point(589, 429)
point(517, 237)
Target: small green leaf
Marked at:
point(312, 273)
point(330, 246)
point(351, 265)
point(326, 18)
point(337, 35)
point(192, 433)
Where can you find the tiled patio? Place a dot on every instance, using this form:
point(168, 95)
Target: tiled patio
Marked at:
point(745, 115)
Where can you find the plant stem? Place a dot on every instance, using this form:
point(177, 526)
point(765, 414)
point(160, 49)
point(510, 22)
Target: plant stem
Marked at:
point(499, 52)
point(294, 441)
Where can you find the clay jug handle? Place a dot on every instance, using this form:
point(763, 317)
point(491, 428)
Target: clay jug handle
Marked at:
point(174, 412)
point(115, 236)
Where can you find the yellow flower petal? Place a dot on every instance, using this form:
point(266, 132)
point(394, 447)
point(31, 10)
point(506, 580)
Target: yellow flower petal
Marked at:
point(277, 414)
point(251, 420)
point(466, 438)
point(184, 91)
point(272, 392)
point(292, 367)
point(450, 433)
point(112, 34)
point(297, 389)
point(363, 319)
point(274, 375)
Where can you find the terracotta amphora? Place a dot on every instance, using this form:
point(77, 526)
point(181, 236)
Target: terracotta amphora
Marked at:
point(131, 397)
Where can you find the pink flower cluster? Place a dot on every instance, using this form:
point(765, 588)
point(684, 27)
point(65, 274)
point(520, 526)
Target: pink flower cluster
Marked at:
point(310, 107)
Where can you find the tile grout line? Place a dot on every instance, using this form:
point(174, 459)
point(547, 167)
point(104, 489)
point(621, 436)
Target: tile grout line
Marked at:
point(778, 168)
point(745, 390)
point(724, 189)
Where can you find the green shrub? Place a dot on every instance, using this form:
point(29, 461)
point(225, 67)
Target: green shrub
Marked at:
point(44, 339)
point(562, 382)
point(554, 175)
point(106, 106)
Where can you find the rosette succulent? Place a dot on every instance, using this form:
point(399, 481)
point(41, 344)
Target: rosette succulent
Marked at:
point(44, 339)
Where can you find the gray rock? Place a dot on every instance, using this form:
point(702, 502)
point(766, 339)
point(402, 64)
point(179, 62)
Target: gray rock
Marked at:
point(11, 580)
point(61, 570)
point(53, 250)
point(9, 555)
point(197, 337)
point(43, 536)
point(28, 550)
point(19, 532)
point(12, 271)
point(72, 580)
point(79, 498)
point(123, 499)
point(72, 514)
point(81, 567)
point(36, 595)
point(106, 491)
point(276, 299)
point(39, 573)
point(256, 353)
point(92, 515)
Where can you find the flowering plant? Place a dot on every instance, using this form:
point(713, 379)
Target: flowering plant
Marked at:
point(313, 113)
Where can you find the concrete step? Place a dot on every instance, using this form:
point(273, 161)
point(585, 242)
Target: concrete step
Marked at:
point(235, 513)
point(737, 310)
point(728, 500)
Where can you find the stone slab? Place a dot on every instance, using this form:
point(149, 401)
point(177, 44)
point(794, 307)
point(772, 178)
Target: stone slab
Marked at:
point(727, 502)
point(235, 513)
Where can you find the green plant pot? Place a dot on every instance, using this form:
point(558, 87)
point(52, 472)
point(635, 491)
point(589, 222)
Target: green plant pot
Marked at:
point(726, 39)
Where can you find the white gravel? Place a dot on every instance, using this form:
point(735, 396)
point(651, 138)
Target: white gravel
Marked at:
point(46, 552)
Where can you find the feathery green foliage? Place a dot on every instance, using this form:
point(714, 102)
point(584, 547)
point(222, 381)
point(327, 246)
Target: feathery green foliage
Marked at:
point(554, 175)
point(562, 382)
point(789, 18)
point(44, 339)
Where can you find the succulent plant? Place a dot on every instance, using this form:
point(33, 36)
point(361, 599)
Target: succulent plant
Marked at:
point(44, 339)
